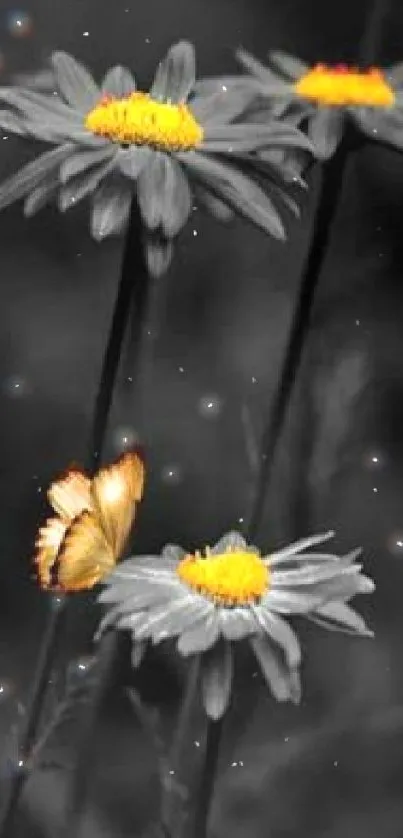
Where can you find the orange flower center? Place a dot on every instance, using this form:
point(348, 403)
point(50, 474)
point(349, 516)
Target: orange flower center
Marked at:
point(346, 86)
point(235, 577)
point(140, 120)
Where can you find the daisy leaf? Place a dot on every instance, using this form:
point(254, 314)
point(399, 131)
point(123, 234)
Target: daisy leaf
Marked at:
point(175, 74)
point(216, 678)
point(75, 82)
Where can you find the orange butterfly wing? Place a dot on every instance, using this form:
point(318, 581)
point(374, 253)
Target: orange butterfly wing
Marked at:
point(71, 494)
point(85, 556)
point(115, 490)
point(48, 543)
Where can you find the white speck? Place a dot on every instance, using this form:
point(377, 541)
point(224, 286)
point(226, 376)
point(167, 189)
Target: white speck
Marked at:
point(286, 738)
point(39, 489)
point(224, 87)
point(78, 255)
point(399, 543)
point(82, 666)
point(147, 40)
point(195, 232)
point(197, 743)
point(374, 489)
point(172, 773)
point(357, 322)
point(254, 380)
point(5, 137)
point(181, 369)
point(254, 675)
point(130, 379)
point(336, 762)
point(210, 406)
point(240, 520)
point(374, 130)
point(1, 689)
point(375, 459)
point(20, 763)
point(85, 34)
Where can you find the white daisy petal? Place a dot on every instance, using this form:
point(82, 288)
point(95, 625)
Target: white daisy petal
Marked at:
point(111, 210)
point(111, 620)
point(325, 128)
point(11, 122)
point(275, 673)
point(185, 616)
point(201, 637)
point(175, 75)
point(38, 107)
point(237, 623)
point(292, 67)
point(75, 82)
point(217, 208)
point(131, 568)
point(150, 188)
point(252, 136)
point(231, 541)
point(137, 655)
point(130, 161)
point(292, 602)
point(287, 553)
point(31, 175)
point(176, 199)
point(216, 678)
point(220, 107)
point(80, 161)
point(79, 187)
point(118, 82)
point(311, 574)
point(257, 69)
point(281, 632)
point(338, 616)
point(158, 253)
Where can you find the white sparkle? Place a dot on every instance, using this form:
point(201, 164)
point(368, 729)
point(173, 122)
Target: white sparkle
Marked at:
point(374, 489)
point(85, 34)
point(254, 380)
point(181, 369)
point(336, 762)
point(20, 763)
point(357, 322)
point(5, 137)
point(1, 689)
point(286, 738)
point(147, 40)
point(195, 232)
point(240, 520)
point(224, 87)
point(172, 773)
point(197, 743)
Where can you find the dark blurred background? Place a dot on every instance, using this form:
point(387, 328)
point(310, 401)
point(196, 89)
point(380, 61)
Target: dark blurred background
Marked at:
point(334, 767)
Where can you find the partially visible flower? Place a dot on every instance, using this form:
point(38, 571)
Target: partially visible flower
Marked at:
point(81, 544)
point(232, 593)
point(114, 141)
point(325, 96)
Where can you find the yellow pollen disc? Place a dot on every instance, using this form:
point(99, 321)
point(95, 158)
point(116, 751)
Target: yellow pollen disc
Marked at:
point(342, 85)
point(231, 578)
point(137, 119)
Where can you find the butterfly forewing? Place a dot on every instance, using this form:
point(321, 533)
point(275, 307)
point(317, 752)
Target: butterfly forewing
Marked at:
point(71, 494)
point(115, 491)
point(48, 543)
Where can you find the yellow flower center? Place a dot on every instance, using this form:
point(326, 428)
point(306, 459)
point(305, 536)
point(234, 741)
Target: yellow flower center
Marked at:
point(231, 578)
point(140, 120)
point(342, 85)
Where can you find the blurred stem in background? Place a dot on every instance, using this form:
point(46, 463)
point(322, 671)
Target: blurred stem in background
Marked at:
point(132, 296)
point(331, 188)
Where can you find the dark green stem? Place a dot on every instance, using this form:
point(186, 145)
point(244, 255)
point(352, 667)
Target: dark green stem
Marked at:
point(34, 712)
point(208, 778)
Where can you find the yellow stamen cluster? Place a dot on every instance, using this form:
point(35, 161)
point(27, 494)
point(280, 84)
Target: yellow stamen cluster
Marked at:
point(138, 119)
point(235, 577)
point(342, 85)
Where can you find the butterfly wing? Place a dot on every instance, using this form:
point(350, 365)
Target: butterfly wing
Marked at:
point(48, 543)
point(85, 556)
point(71, 494)
point(115, 490)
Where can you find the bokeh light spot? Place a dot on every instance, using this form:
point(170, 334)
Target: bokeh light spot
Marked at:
point(19, 24)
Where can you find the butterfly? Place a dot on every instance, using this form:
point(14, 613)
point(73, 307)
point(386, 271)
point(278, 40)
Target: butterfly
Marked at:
point(82, 542)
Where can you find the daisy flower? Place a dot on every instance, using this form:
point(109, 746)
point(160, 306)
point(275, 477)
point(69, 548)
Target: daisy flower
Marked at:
point(325, 97)
point(167, 146)
point(81, 544)
point(232, 593)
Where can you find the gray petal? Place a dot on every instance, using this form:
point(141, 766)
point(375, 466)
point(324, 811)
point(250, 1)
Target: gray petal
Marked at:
point(184, 617)
point(222, 106)
point(38, 106)
point(83, 160)
point(112, 620)
point(325, 128)
point(151, 184)
point(311, 574)
point(216, 678)
point(217, 208)
point(232, 540)
point(173, 552)
point(380, 125)
point(292, 602)
point(239, 191)
point(395, 73)
point(111, 210)
point(138, 652)
point(201, 637)
point(137, 566)
point(253, 136)
point(256, 68)
point(288, 553)
point(132, 160)
point(158, 253)
point(165, 621)
point(292, 67)
point(337, 616)
point(31, 175)
point(175, 75)
point(41, 196)
point(281, 632)
point(237, 623)
point(275, 673)
point(118, 83)
point(10, 122)
point(79, 187)
point(75, 82)
point(176, 199)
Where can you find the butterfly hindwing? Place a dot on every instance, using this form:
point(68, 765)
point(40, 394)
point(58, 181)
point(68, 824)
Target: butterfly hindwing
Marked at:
point(115, 490)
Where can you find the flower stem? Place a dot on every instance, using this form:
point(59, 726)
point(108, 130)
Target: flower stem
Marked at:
point(331, 188)
point(34, 712)
point(132, 296)
point(208, 778)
